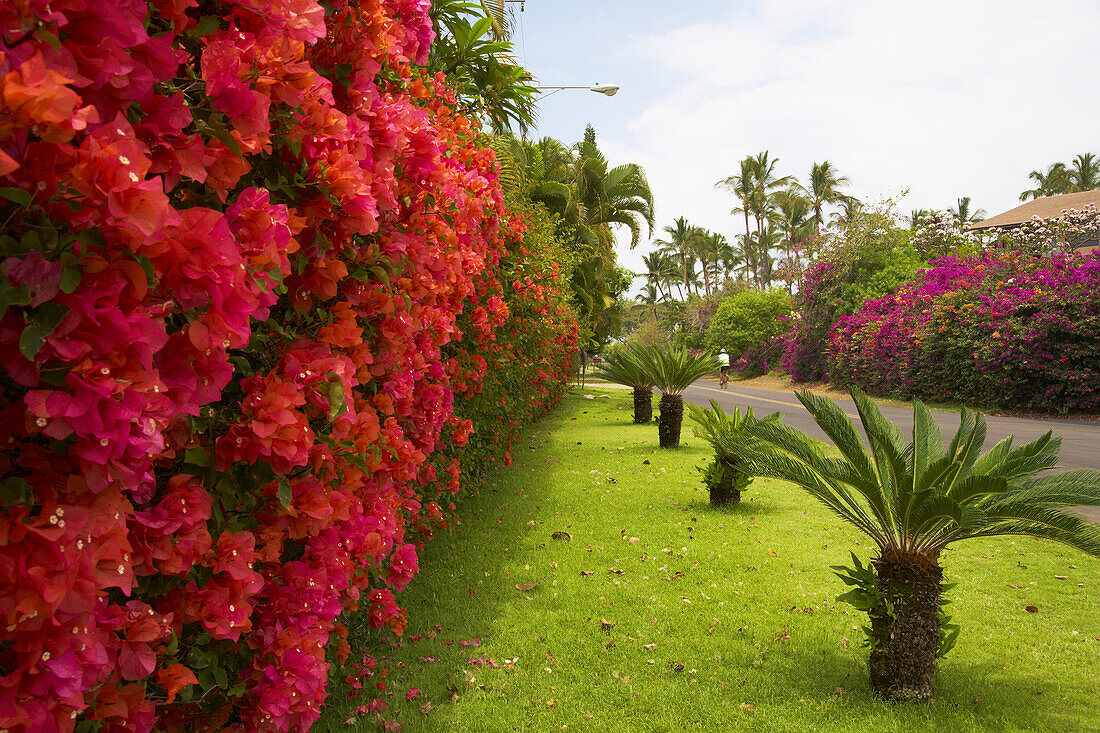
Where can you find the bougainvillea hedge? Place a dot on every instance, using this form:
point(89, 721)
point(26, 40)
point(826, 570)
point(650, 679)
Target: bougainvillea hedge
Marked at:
point(259, 289)
point(1004, 329)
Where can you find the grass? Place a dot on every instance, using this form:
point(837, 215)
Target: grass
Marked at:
point(659, 613)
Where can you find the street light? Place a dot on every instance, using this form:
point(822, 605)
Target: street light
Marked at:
point(608, 89)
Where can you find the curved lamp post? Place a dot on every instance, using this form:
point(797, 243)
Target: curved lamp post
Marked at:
point(608, 89)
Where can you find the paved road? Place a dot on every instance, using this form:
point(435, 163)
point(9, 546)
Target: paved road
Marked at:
point(1080, 439)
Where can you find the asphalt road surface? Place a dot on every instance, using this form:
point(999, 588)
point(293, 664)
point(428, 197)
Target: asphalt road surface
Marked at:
point(1080, 439)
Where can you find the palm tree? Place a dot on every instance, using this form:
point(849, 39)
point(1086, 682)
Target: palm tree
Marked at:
point(917, 216)
point(913, 499)
point(740, 185)
point(1085, 173)
point(1054, 181)
point(791, 217)
point(651, 296)
point(678, 244)
point(764, 183)
point(672, 372)
point(626, 368)
point(964, 215)
point(824, 188)
point(661, 271)
point(619, 196)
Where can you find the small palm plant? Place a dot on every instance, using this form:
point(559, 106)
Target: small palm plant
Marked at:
point(626, 368)
point(913, 499)
point(672, 372)
point(723, 476)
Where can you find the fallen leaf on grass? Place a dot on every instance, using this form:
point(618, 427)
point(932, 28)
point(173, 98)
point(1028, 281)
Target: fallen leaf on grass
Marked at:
point(649, 646)
point(606, 625)
point(747, 707)
point(1031, 609)
point(588, 572)
point(560, 535)
point(1062, 577)
point(526, 586)
point(426, 708)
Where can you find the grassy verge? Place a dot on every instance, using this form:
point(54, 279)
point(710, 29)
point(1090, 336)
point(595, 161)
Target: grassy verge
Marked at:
point(659, 613)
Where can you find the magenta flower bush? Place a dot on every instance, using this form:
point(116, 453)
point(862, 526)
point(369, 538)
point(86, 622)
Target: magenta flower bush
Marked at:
point(997, 330)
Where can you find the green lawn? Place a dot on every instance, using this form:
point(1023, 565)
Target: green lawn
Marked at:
point(715, 620)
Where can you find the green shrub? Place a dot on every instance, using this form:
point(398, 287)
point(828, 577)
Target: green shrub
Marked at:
point(748, 319)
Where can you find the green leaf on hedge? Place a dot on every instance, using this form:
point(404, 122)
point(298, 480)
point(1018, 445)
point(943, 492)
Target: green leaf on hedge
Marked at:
point(40, 324)
point(334, 391)
point(197, 457)
point(207, 24)
point(70, 278)
point(16, 195)
point(16, 491)
point(285, 493)
point(18, 295)
point(220, 677)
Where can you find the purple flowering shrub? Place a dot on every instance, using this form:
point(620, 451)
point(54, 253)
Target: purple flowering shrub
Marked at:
point(997, 330)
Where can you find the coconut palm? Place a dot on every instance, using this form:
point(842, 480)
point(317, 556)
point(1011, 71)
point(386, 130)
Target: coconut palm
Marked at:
point(661, 271)
point(963, 213)
point(672, 372)
point(740, 185)
point(651, 296)
point(1085, 173)
point(678, 244)
point(626, 367)
point(824, 188)
point(792, 217)
point(914, 499)
point(1054, 181)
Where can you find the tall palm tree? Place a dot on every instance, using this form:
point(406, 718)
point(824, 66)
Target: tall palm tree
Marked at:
point(678, 244)
point(824, 188)
point(1085, 173)
point(913, 499)
point(964, 214)
point(672, 372)
point(1054, 181)
point(651, 296)
point(740, 185)
point(661, 271)
point(698, 244)
point(792, 217)
point(764, 182)
point(917, 216)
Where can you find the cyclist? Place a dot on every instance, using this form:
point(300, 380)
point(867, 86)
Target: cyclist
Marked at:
point(724, 368)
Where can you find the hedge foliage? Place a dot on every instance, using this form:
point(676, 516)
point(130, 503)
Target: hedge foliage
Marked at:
point(1004, 329)
point(261, 300)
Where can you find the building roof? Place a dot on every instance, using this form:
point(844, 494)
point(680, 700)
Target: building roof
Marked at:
point(1045, 208)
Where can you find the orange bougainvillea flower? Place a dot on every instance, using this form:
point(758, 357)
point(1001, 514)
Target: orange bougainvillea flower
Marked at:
point(175, 678)
point(38, 95)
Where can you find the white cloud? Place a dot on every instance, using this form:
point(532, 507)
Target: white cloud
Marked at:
point(943, 98)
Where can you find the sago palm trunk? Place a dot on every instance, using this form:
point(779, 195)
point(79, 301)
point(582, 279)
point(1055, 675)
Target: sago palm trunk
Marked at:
point(670, 421)
point(643, 405)
point(906, 629)
point(726, 492)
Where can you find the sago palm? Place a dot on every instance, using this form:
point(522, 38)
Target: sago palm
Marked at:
point(626, 368)
point(723, 475)
point(914, 499)
point(672, 372)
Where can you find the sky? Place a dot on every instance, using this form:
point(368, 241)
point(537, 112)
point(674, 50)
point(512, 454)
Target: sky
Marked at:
point(936, 99)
